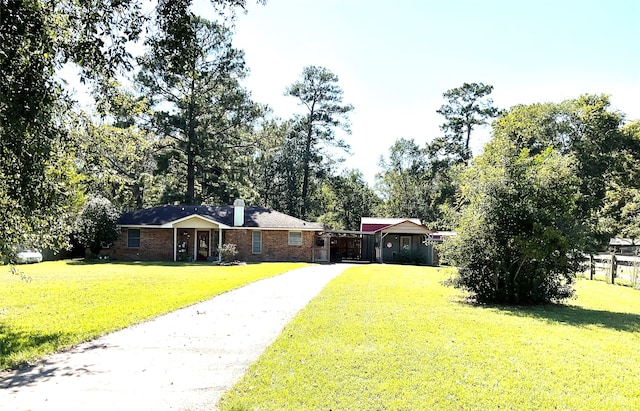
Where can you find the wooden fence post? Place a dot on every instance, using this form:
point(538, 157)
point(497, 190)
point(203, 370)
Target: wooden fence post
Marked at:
point(592, 267)
point(614, 268)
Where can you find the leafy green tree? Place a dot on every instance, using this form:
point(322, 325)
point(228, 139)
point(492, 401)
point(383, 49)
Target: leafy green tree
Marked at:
point(415, 184)
point(277, 167)
point(518, 239)
point(345, 199)
point(403, 182)
point(119, 163)
point(38, 186)
point(584, 129)
point(468, 107)
point(97, 224)
point(538, 197)
point(202, 112)
point(38, 180)
point(319, 93)
point(620, 214)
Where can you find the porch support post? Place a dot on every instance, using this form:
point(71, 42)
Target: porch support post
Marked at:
point(210, 244)
point(382, 236)
point(175, 244)
point(219, 243)
point(195, 244)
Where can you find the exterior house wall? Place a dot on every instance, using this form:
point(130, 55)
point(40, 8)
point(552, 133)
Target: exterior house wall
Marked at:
point(275, 245)
point(390, 254)
point(155, 244)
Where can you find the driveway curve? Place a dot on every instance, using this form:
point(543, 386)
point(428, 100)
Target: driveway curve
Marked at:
point(184, 360)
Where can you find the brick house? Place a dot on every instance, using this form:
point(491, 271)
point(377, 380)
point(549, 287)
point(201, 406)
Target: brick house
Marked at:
point(195, 233)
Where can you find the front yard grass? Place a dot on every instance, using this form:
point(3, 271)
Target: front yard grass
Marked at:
point(393, 338)
point(68, 302)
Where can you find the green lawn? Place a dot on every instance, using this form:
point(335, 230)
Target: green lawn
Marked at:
point(68, 302)
point(393, 338)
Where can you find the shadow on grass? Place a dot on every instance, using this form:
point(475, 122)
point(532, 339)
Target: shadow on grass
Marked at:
point(576, 316)
point(13, 342)
point(22, 374)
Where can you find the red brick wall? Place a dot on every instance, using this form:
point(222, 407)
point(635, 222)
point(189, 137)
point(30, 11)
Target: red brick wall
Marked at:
point(156, 244)
point(275, 246)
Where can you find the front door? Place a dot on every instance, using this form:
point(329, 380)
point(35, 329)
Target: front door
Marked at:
point(203, 245)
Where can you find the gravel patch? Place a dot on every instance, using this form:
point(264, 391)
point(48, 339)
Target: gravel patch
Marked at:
point(184, 360)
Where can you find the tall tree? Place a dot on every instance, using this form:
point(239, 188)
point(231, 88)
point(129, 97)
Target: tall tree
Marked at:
point(277, 167)
point(620, 215)
point(202, 112)
point(36, 172)
point(467, 108)
point(319, 93)
point(585, 129)
point(38, 182)
point(345, 199)
point(415, 184)
point(118, 163)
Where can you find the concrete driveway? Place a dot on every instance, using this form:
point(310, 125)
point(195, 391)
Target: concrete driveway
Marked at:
point(184, 360)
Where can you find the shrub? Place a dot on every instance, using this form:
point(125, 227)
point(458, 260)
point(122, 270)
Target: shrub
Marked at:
point(228, 252)
point(97, 225)
point(518, 238)
point(410, 257)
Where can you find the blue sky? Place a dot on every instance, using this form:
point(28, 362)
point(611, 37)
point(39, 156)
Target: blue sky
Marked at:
point(396, 58)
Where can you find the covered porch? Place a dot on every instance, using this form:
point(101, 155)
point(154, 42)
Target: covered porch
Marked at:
point(196, 238)
point(403, 242)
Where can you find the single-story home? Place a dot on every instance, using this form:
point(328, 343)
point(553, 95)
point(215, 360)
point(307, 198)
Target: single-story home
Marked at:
point(399, 239)
point(383, 240)
point(197, 232)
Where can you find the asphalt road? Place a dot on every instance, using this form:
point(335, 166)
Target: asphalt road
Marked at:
point(184, 360)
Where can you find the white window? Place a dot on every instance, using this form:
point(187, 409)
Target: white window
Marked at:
point(256, 242)
point(405, 243)
point(295, 237)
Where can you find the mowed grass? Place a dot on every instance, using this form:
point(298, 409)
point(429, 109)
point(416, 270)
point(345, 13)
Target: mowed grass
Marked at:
point(394, 338)
point(67, 302)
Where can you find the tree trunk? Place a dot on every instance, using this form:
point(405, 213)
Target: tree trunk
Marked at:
point(306, 160)
point(191, 151)
point(467, 155)
point(137, 195)
point(191, 176)
point(305, 179)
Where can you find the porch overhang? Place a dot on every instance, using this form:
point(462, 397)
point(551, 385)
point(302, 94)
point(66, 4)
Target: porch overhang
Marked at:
point(196, 222)
point(405, 227)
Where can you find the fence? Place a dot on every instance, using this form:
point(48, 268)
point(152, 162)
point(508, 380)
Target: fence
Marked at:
point(623, 267)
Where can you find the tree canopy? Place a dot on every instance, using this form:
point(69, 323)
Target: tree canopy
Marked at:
point(201, 113)
point(533, 202)
point(319, 93)
point(518, 240)
point(468, 107)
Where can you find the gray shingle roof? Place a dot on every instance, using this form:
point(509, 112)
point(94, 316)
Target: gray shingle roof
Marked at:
point(254, 217)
